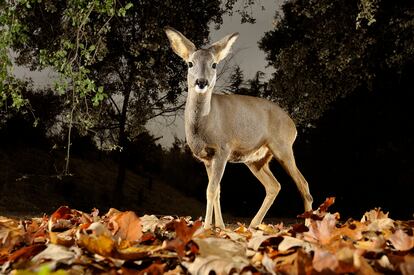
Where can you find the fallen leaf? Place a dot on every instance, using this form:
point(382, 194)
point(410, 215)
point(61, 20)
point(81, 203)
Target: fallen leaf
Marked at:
point(364, 268)
point(322, 231)
point(220, 247)
point(11, 233)
point(102, 244)
point(184, 234)
point(258, 238)
point(153, 269)
point(407, 267)
point(55, 253)
point(290, 242)
point(212, 263)
point(218, 255)
point(269, 264)
point(66, 238)
point(324, 260)
point(377, 220)
point(137, 252)
point(128, 226)
point(323, 208)
point(401, 241)
point(149, 223)
point(26, 252)
point(320, 212)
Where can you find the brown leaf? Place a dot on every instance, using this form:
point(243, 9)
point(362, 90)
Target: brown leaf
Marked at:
point(319, 213)
point(401, 241)
point(290, 242)
point(322, 231)
point(407, 267)
point(127, 226)
point(326, 204)
point(298, 263)
point(55, 253)
point(66, 238)
point(101, 244)
point(153, 269)
point(26, 252)
point(364, 267)
point(36, 230)
point(65, 218)
point(324, 260)
point(11, 234)
point(137, 252)
point(374, 215)
point(184, 234)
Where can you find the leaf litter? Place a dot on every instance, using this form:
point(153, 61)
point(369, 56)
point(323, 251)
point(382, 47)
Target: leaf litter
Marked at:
point(74, 242)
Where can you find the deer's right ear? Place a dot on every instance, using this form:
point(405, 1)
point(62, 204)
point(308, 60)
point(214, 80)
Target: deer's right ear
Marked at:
point(179, 43)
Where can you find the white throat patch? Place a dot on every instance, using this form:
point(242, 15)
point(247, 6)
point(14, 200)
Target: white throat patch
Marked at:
point(201, 91)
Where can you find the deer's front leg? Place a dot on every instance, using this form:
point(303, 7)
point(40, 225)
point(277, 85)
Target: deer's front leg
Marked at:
point(215, 172)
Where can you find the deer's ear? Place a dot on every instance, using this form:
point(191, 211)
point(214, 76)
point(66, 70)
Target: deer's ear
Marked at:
point(179, 43)
point(222, 47)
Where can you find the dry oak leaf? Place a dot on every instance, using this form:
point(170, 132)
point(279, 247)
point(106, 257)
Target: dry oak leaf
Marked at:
point(11, 233)
point(127, 226)
point(66, 238)
point(401, 240)
point(137, 252)
point(375, 244)
point(149, 223)
point(377, 221)
point(218, 255)
point(153, 269)
point(343, 260)
point(319, 213)
point(324, 259)
point(56, 254)
point(298, 263)
point(65, 218)
point(290, 242)
point(99, 244)
point(322, 231)
point(258, 238)
point(26, 252)
point(407, 267)
point(184, 234)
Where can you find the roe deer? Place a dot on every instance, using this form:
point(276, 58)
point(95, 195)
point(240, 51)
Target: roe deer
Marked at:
point(233, 128)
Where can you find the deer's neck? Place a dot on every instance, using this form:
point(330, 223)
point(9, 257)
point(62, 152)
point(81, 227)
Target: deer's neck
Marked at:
point(197, 109)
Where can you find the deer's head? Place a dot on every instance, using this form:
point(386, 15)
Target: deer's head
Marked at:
point(202, 63)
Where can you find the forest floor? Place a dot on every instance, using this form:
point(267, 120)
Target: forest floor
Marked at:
point(70, 241)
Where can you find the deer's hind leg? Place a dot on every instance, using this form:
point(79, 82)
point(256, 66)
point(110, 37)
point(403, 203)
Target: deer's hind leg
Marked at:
point(283, 152)
point(262, 172)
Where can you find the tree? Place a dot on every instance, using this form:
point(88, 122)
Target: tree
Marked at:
point(236, 80)
point(116, 68)
point(326, 50)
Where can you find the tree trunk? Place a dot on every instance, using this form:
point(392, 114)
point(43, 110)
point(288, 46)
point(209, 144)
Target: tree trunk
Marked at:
point(122, 143)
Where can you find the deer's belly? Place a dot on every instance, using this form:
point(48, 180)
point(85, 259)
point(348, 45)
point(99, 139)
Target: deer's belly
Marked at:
point(250, 156)
point(205, 152)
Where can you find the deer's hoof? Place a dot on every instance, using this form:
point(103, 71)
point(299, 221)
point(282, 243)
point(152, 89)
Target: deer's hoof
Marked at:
point(220, 225)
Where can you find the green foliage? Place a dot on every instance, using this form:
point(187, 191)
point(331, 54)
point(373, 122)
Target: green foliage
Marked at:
point(10, 30)
point(43, 270)
point(326, 50)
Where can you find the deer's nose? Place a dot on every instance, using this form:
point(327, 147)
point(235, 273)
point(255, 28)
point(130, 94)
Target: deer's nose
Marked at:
point(201, 83)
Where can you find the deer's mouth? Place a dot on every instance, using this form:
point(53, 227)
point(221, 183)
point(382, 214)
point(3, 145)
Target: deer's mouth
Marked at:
point(201, 90)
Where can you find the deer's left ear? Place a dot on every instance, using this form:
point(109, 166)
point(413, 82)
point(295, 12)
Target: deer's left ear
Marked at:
point(222, 47)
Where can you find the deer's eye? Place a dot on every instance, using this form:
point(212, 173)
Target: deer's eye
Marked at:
point(190, 64)
point(214, 65)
